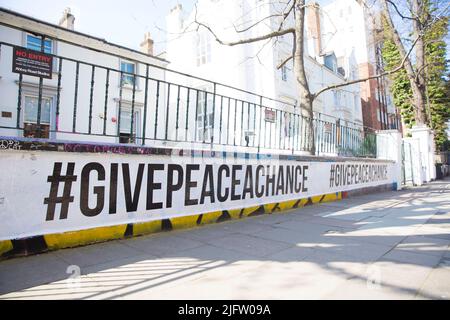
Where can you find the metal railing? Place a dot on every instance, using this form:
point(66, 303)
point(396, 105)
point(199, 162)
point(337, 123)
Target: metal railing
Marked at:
point(161, 107)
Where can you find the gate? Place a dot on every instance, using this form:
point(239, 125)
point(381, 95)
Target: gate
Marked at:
point(407, 166)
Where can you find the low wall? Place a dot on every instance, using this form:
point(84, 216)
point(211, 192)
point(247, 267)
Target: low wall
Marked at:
point(56, 195)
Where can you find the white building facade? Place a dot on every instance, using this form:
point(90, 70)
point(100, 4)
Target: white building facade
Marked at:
point(354, 29)
point(253, 67)
point(85, 100)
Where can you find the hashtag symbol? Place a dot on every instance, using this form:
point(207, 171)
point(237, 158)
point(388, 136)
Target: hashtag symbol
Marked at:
point(332, 175)
point(66, 198)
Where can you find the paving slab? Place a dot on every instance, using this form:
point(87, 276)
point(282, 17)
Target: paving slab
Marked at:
point(250, 245)
point(424, 245)
point(160, 244)
point(437, 284)
point(97, 254)
point(413, 258)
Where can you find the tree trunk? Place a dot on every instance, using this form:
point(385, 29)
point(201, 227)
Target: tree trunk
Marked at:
point(417, 9)
point(306, 99)
point(418, 94)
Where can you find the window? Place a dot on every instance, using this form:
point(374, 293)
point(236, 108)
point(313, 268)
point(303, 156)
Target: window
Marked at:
point(128, 67)
point(35, 43)
point(284, 73)
point(337, 97)
point(389, 100)
point(288, 125)
point(125, 134)
point(30, 117)
point(204, 123)
point(330, 62)
point(203, 48)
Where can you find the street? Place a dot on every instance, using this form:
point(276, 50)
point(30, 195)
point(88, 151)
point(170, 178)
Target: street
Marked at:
point(391, 245)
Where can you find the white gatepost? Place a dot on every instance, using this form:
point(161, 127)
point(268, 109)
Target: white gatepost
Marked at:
point(389, 147)
point(427, 149)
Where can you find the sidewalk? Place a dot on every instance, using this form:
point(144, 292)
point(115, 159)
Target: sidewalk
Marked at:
point(392, 245)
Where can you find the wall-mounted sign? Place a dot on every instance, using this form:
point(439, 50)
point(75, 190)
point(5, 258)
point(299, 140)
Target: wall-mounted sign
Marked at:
point(270, 115)
point(32, 63)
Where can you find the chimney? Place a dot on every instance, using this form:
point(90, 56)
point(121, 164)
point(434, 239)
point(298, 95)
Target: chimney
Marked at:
point(174, 20)
point(177, 7)
point(313, 18)
point(147, 44)
point(68, 20)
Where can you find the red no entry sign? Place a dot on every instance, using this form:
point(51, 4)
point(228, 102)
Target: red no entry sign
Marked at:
point(33, 63)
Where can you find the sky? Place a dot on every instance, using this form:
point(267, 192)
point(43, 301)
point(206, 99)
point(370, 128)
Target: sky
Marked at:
point(117, 21)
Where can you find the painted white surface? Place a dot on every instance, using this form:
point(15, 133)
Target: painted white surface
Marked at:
point(389, 147)
point(253, 67)
point(350, 31)
point(416, 156)
point(24, 186)
point(425, 136)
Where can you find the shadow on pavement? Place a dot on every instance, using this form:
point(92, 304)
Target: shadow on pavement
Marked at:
point(385, 245)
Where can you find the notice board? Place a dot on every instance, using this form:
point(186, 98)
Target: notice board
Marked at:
point(32, 63)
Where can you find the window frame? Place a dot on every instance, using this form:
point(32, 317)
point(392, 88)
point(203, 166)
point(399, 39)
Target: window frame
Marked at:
point(53, 49)
point(284, 73)
point(52, 115)
point(126, 106)
point(135, 78)
point(208, 129)
point(38, 38)
point(203, 45)
point(29, 95)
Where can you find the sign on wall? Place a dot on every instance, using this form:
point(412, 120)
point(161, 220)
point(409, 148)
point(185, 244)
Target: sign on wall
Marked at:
point(270, 115)
point(32, 63)
point(47, 192)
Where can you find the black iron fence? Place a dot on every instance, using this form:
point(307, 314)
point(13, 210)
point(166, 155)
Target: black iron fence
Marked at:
point(109, 98)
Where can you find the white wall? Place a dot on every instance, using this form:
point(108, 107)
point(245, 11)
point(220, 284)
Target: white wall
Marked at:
point(26, 173)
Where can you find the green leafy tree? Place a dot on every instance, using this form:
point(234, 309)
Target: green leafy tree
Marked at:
point(433, 72)
point(400, 85)
point(436, 82)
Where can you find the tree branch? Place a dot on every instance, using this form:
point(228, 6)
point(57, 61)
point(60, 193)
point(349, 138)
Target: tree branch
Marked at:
point(286, 14)
point(398, 11)
point(383, 74)
point(243, 41)
point(256, 23)
point(282, 63)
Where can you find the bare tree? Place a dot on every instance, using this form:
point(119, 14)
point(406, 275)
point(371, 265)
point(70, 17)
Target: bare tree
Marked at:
point(297, 8)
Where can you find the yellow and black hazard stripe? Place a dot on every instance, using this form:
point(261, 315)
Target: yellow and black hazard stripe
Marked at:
point(48, 242)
